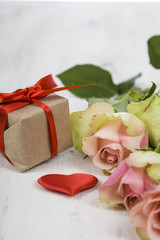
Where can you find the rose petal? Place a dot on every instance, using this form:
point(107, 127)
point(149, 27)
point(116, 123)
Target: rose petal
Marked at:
point(142, 215)
point(134, 178)
point(90, 146)
point(98, 120)
point(153, 232)
point(135, 127)
point(118, 172)
point(137, 216)
point(103, 142)
point(132, 142)
point(150, 203)
point(148, 183)
point(131, 132)
point(144, 141)
point(156, 218)
point(109, 130)
point(108, 193)
point(142, 158)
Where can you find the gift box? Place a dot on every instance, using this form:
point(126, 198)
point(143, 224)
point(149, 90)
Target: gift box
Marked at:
point(27, 140)
point(34, 124)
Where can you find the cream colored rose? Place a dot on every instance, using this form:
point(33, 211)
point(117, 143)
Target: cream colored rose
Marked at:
point(114, 137)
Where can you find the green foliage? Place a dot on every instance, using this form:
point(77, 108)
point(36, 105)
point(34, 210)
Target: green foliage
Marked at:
point(150, 91)
point(128, 84)
point(103, 87)
point(89, 74)
point(120, 102)
point(154, 51)
point(157, 149)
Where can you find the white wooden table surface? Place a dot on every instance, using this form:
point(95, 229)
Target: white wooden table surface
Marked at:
point(37, 39)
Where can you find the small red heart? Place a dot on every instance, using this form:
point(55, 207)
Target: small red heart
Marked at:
point(69, 184)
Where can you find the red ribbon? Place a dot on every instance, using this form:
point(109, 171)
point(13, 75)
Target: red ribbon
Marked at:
point(23, 97)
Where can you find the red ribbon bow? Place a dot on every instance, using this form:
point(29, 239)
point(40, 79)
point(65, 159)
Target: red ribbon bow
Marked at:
point(23, 97)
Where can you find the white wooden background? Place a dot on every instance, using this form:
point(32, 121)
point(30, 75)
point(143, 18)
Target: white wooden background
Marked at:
point(37, 39)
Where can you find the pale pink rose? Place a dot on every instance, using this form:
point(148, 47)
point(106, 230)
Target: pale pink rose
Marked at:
point(130, 180)
point(146, 214)
point(115, 137)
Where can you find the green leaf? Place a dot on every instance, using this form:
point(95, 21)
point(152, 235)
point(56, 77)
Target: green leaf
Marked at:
point(121, 102)
point(137, 91)
point(150, 91)
point(145, 149)
point(127, 85)
point(107, 173)
point(135, 97)
point(154, 51)
point(138, 94)
point(157, 149)
point(115, 165)
point(89, 74)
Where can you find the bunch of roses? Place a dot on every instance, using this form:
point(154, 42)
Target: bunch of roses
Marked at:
point(134, 183)
point(115, 139)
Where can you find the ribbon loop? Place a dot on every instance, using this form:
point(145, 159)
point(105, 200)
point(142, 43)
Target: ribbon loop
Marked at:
point(30, 91)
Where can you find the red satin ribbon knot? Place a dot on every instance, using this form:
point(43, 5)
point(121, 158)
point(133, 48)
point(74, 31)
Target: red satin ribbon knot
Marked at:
point(23, 97)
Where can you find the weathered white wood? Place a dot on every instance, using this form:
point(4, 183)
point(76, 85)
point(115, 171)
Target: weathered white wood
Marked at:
point(41, 38)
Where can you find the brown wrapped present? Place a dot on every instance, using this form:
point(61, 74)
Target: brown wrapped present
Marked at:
point(27, 137)
point(34, 124)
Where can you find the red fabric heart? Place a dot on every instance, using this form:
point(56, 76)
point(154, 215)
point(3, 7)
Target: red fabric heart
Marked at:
point(69, 184)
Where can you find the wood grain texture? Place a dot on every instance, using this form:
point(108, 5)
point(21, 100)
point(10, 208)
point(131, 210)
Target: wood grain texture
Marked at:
point(42, 38)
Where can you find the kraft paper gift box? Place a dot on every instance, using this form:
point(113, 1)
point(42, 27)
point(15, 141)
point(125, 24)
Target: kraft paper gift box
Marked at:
point(27, 140)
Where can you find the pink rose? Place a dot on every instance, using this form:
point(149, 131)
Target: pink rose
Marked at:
point(115, 137)
point(130, 179)
point(145, 216)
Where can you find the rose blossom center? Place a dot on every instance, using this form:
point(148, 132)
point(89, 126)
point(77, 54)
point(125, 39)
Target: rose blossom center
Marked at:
point(108, 156)
point(132, 200)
